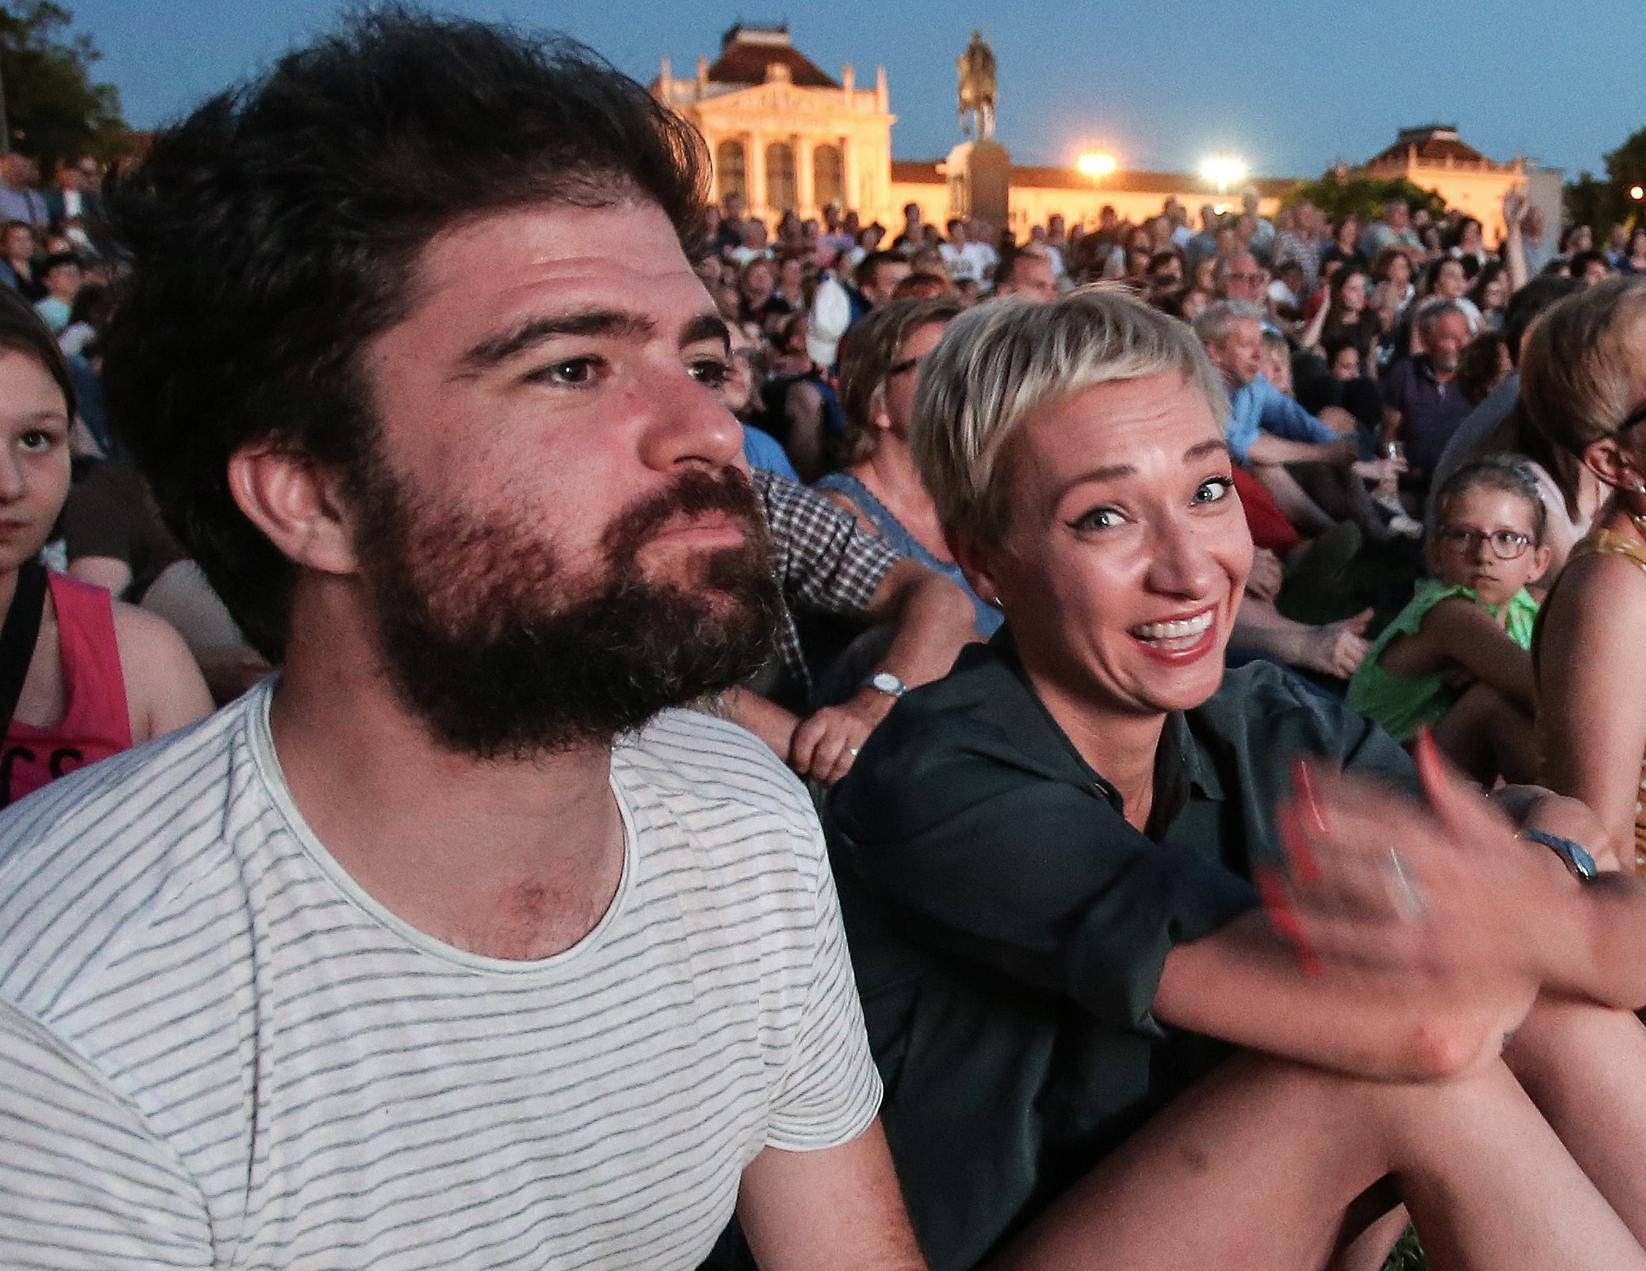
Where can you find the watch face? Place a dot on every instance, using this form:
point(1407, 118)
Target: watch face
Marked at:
point(886, 682)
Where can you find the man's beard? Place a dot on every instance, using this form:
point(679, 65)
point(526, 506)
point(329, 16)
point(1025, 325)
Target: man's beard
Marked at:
point(502, 656)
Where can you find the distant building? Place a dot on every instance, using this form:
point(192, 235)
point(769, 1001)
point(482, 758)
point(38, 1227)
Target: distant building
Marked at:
point(788, 136)
point(1435, 157)
point(783, 133)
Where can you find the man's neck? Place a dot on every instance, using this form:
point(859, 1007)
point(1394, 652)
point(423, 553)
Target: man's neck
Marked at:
point(512, 859)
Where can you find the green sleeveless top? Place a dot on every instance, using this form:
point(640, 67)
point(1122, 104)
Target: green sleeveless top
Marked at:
point(1405, 703)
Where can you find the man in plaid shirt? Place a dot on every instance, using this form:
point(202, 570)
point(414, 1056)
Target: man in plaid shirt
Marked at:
point(829, 565)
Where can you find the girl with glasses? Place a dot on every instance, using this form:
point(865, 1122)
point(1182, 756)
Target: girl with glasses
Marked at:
point(1455, 660)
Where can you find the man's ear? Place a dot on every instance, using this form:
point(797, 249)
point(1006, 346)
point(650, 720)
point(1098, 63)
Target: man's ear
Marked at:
point(296, 503)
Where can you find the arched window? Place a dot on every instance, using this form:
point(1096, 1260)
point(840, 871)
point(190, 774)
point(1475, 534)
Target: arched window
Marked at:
point(828, 176)
point(729, 169)
point(780, 195)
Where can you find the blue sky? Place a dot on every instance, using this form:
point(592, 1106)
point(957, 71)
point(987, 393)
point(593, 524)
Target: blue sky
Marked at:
point(1291, 85)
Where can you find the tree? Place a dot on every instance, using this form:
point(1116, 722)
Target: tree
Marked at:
point(54, 110)
point(1338, 194)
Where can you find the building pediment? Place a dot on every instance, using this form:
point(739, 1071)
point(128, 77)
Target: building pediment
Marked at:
point(783, 99)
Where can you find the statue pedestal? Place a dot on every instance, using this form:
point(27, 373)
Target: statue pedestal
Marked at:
point(980, 180)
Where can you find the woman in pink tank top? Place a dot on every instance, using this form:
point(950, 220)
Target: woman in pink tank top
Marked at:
point(99, 675)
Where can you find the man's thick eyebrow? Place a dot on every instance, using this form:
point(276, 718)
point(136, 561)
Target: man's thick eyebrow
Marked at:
point(619, 323)
point(706, 326)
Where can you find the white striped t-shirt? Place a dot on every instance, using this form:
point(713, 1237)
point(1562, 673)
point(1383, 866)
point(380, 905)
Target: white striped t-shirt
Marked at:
point(217, 1050)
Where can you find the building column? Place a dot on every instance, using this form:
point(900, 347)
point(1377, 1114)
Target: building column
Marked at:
point(804, 191)
point(849, 193)
point(754, 172)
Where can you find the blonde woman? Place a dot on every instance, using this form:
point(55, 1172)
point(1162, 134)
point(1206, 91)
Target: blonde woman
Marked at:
point(1583, 386)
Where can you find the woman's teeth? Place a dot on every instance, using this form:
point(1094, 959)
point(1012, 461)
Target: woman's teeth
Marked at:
point(1179, 630)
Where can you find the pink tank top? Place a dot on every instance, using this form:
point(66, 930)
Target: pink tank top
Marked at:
point(96, 722)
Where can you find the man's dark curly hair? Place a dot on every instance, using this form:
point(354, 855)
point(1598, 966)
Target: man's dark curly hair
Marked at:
point(274, 231)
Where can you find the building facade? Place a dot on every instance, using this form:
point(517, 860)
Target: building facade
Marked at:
point(781, 132)
point(790, 137)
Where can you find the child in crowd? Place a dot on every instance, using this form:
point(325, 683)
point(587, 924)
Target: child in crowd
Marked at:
point(1456, 659)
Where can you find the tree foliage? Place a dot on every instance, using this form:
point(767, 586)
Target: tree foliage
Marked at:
point(54, 109)
point(1338, 195)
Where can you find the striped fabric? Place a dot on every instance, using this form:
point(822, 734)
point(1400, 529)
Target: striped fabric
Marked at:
point(216, 1050)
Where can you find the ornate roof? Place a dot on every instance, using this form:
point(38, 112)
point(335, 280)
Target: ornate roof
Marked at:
point(747, 51)
point(1431, 143)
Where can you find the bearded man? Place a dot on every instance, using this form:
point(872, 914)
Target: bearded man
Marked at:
point(453, 945)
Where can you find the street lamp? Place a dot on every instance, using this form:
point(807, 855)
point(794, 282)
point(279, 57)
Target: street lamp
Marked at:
point(1096, 164)
point(1637, 193)
point(1223, 170)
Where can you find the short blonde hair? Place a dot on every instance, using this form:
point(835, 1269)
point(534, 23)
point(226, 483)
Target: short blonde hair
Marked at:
point(1583, 368)
point(1001, 362)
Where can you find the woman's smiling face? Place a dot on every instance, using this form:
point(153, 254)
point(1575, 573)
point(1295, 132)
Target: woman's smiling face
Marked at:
point(1126, 549)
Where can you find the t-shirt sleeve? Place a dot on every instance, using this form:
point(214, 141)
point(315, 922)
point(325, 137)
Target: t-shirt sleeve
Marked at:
point(83, 1182)
point(830, 1091)
point(1034, 879)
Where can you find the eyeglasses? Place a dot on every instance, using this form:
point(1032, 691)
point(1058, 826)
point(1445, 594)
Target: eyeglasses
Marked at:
point(1245, 277)
point(1505, 544)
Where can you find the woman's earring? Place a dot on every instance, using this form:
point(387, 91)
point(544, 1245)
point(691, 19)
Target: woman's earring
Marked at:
point(996, 602)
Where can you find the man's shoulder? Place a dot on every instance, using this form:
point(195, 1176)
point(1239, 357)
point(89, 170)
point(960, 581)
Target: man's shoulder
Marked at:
point(93, 862)
point(706, 768)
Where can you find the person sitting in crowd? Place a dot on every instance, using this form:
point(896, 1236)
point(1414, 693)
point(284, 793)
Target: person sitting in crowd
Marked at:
point(82, 676)
point(1456, 660)
point(1583, 387)
point(17, 267)
point(1269, 432)
point(1087, 1027)
point(876, 481)
point(60, 276)
point(1422, 404)
point(457, 914)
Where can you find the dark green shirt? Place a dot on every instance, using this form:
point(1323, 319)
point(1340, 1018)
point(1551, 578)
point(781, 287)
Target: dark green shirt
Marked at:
point(1008, 926)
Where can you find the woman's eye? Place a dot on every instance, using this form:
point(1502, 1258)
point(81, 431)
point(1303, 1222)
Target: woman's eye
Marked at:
point(1213, 489)
point(1099, 519)
point(36, 441)
point(711, 372)
point(573, 371)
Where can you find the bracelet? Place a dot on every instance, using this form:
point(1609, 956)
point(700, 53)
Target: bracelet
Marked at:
point(1573, 854)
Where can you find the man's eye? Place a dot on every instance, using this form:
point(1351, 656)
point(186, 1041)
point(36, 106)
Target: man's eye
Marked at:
point(1213, 489)
point(711, 372)
point(575, 370)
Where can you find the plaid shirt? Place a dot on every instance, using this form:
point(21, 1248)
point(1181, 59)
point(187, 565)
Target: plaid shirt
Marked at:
point(825, 562)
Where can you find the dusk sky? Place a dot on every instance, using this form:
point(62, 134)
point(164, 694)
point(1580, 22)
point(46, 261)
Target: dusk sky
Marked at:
point(1290, 86)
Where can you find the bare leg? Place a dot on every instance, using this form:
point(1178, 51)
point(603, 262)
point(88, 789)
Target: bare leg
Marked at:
point(1337, 648)
point(1256, 1165)
point(1582, 1065)
point(1488, 736)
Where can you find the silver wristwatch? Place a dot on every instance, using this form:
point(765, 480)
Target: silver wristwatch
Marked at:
point(887, 683)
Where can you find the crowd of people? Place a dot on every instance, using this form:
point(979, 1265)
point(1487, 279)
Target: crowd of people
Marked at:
point(548, 723)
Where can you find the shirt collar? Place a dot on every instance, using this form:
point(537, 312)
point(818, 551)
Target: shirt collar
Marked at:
point(1180, 750)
